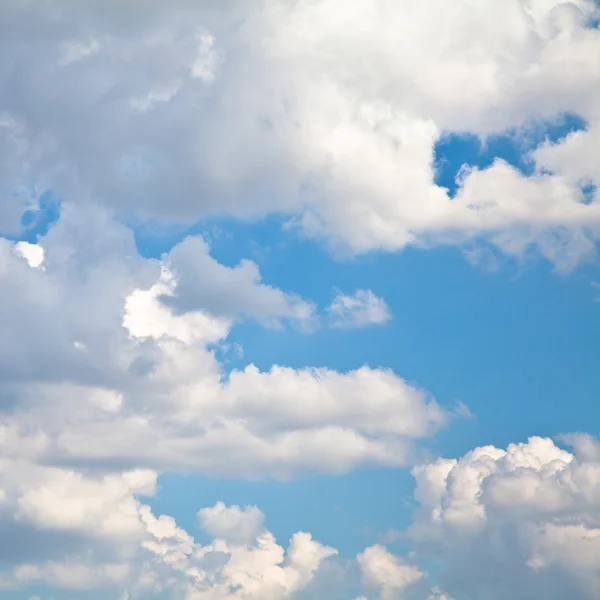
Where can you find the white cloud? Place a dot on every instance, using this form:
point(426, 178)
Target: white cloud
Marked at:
point(360, 309)
point(111, 385)
point(146, 316)
point(157, 558)
point(437, 594)
point(74, 52)
point(103, 356)
point(329, 119)
point(519, 523)
point(524, 519)
point(59, 499)
point(233, 291)
point(232, 523)
point(574, 157)
point(327, 113)
point(262, 570)
point(256, 424)
point(387, 572)
point(32, 253)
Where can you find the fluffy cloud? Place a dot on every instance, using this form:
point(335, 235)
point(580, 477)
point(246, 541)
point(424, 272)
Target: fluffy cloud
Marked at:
point(525, 520)
point(105, 384)
point(232, 523)
point(383, 570)
point(325, 112)
point(108, 373)
point(360, 309)
point(574, 157)
point(123, 549)
point(233, 291)
point(257, 424)
point(141, 555)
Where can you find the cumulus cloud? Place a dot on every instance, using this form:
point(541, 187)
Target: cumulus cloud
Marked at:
point(383, 570)
point(317, 110)
point(232, 292)
point(108, 373)
point(127, 551)
point(525, 519)
point(111, 385)
point(574, 156)
point(360, 309)
point(232, 523)
point(108, 389)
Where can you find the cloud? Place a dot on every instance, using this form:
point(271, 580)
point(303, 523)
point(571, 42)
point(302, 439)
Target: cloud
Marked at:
point(178, 112)
point(387, 572)
point(233, 291)
point(143, 555)
point(255, 425)
point(105, 385)
point(326, 114)
point(361, 309)
point(232, 523)
point(524, 519)
point(108, 374)
point(130, 552)
point(574, 157)
point(32, 253)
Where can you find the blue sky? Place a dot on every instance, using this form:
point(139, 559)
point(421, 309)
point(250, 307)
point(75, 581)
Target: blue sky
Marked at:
point(351, 291)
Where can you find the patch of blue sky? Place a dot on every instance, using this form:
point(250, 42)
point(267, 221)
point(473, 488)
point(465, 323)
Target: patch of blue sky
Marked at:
point(455, 150)
point(37, 219)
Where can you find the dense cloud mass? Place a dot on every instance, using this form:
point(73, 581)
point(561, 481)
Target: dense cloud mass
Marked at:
point(325, 111)
point(325, 114)
point(517, 523)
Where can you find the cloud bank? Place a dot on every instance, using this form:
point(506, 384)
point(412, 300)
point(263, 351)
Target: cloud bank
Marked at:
point(325, 112)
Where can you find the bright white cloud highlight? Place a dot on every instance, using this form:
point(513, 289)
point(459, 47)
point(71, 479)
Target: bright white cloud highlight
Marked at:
point(32, 253)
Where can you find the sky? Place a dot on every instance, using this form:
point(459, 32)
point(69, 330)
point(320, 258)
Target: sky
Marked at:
point(299, 300)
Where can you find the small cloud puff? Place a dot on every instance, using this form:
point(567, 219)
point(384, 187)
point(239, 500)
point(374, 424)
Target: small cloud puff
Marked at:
point(360, 309)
